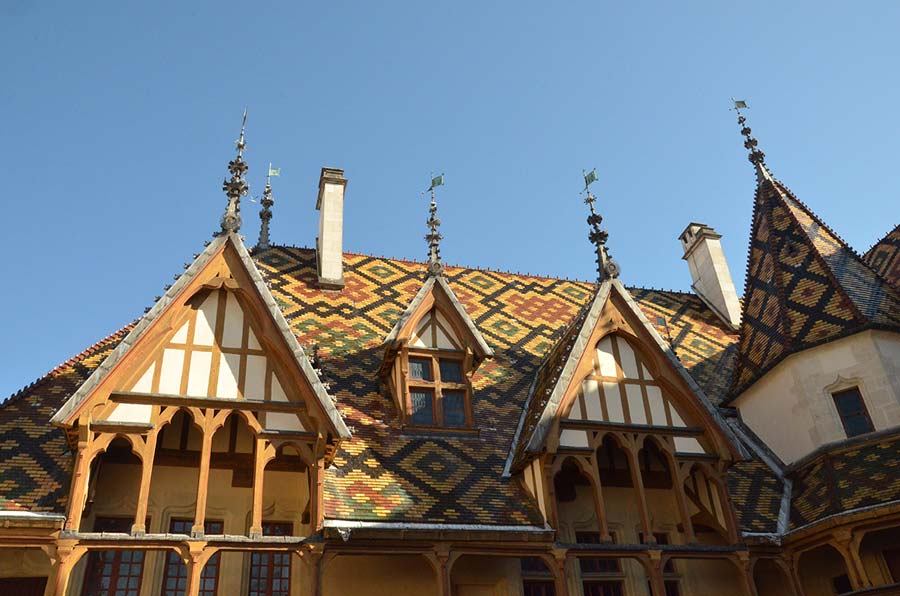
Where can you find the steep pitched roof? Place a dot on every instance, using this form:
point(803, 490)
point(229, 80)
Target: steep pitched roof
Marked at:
point(884, 257)
point(555, 373)
point(804, 286)
point(70, 407)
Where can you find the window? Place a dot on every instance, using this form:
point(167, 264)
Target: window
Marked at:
point(114, 572)
point(603, 588)
point(270, 573)
point(175, 574)
point(538, 587)
point(596, 565)
point(536, 578)
point(438, 390)
point(852, 410)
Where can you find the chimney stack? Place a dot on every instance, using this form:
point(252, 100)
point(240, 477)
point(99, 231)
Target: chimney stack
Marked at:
point(709, 270)
point(329, 244)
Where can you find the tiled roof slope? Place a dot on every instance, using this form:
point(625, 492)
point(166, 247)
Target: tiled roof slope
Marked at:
point(846, 478)
point(756, 492)
point(884, 257)
point(804, 286)
point(35, 462)
point(380, 474)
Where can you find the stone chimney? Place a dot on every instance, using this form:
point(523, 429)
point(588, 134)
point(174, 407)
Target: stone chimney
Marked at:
point(712, 279)
point(330, 243)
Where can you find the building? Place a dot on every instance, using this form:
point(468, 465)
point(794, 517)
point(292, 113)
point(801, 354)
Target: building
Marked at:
point(307, 421)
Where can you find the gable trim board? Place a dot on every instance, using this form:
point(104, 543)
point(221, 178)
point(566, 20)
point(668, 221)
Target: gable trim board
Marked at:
point(71, 407)
point(535, 443)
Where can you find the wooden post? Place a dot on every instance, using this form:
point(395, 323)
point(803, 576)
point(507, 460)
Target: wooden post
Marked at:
point(745, 569)
point(638, 482)
point(140, 516)
point(560, 577)
point(68, 553)
point(195, 557)
point(203, 477)
point(316, 494)
point(845, 544)
point(443, 559)
point(261, 456)
point(654, 569)
point(681, 499)
point(80, 476)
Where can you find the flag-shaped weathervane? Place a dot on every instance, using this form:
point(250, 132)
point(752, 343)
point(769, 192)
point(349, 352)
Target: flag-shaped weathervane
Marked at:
point(739, 104)
point(274, 171)
point(436, 181)
point(590, 178)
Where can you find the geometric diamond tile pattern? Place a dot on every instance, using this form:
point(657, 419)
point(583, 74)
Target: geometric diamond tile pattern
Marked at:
point(884, 257)
point(804, 286)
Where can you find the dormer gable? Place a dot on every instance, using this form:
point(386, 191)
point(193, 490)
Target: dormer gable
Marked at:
point(611, 371)
point(216, 337)
point(429, 357)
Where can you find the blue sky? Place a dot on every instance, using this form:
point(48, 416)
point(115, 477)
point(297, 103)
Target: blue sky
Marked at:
point(119, 118)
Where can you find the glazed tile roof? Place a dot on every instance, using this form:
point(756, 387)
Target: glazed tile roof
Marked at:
point(756, 492)
point(846, 477)
point(884, 257)
point(380, 474)
point(804, 286)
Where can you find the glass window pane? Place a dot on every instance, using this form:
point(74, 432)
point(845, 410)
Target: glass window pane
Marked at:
point(852, 410)
point(420, 368)
point(451, 371)
point(454, 408)
point(857, 425)
point(422, 407)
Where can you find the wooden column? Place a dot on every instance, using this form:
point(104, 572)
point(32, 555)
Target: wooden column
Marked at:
point(560, 577)
point(316, 494)
point(80, 476)
point(140, 516)
point(599, 501)
point(681, 499)
point(203, 476)
point(638, 482)
point(443, 560)
point(654, 567)
point(195, 557)
point(68, 553)
point(261, 456)
point(845, 543)
point(745, 569)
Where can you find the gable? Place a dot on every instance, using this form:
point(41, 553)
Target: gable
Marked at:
point(216, 335)
point(436, 332)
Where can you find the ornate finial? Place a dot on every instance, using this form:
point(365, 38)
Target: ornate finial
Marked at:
point(237, 186)
point(435, 267)
point(265, 214)
point(756, 156)
point(607, 268)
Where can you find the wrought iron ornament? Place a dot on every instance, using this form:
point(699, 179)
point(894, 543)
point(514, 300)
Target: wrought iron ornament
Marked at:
point(607, 268)
point(265, 214)
point(756, 156)
point(237, 186)
point(433, 237)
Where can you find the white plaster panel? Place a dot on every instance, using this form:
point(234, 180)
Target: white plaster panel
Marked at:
point(198, 376)
point(283, 421)
point(170, 374)
point(613, 402)
point(573, 438)
point(229, 368)
point(657, 406)
point(233, 330)
point(635, 404)
point(252, 342)
point(592, 400)
point(676, 417)
point(277, 391)
point(443, 341)
point(688, 445)
point(255, 383)
point(145, 383)
point(181, 336)
point(446, 325)
point(131, 413)
point(628, 362)
point(206, 320)
point(605, 358)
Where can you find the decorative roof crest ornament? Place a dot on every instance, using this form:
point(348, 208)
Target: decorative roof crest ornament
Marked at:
point(756, 156)
point(236, 187)
point(607, 268)
point(265, 214)
point(435, 266)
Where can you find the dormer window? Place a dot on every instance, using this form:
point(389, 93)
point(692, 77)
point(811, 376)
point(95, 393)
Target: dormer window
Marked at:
point(430, 356)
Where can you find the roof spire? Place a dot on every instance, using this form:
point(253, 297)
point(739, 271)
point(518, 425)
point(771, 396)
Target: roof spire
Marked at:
point(237, 186)
point(435, 266)
point(607, 268)
point(265, 214)
point(756, 157)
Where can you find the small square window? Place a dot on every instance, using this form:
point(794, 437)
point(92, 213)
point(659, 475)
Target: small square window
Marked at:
point(451, 371)
point(422, 407)
point(454, 408)
point(420, 369)
point(852, 410)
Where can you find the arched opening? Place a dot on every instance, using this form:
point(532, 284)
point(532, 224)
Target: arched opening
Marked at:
point(379, 575)
point(619, 494)
point(229, 495)
point(173, 481)
point(662, 506)
point(771, 579)
point(113, 486)
point(286, 487)
point(880, 554)
point(575, 503)
point(707, 507)
point(822, 570)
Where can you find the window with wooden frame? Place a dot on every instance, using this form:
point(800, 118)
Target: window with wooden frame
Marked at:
point(270, 572)
point(537, 579)
point(439, 391)
point(852, 409)
point(114, 572)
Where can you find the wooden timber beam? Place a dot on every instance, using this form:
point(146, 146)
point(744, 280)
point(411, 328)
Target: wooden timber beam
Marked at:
point(674, 431)
point(165, 399)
